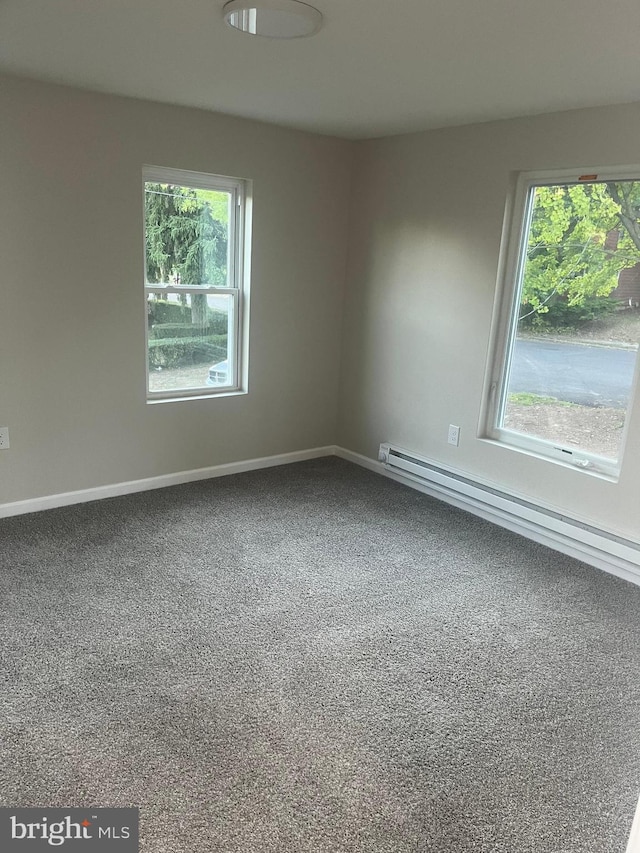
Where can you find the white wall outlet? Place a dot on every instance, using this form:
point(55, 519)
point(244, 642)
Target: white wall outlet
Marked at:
point(454, 435)
point(4, 438)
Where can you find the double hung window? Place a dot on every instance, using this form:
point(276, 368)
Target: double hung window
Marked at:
point(195, 283)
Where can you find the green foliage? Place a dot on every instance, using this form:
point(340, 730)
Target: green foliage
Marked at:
point(176, 341)
point(165, 353)
point(218, 202)
point(524, 398)
point(163, 331)
point(570, 269)
point(217, 322)
point(561, 314)
point(163, 313)
point(217, 325)
point(184, 240)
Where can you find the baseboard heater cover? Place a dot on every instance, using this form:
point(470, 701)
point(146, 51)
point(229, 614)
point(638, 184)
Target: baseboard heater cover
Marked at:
point(599, 548)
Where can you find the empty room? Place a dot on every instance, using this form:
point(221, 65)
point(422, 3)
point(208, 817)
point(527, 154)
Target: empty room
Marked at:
point(319, 426)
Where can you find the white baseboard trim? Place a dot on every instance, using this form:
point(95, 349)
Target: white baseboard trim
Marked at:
point(116, 489)
point(595, 552)
point(359, 459)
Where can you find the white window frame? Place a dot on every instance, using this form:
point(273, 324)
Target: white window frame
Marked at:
point(238, 260)
point(510, 271)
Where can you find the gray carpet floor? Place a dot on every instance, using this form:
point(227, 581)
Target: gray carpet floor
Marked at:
point(314, 659)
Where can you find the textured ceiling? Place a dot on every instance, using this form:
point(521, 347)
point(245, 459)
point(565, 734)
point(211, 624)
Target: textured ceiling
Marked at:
point(378, 67)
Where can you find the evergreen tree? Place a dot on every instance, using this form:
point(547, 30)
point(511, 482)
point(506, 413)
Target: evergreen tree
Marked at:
point(185, 244)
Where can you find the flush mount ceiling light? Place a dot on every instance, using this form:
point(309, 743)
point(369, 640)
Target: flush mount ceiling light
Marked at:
point(276, 19)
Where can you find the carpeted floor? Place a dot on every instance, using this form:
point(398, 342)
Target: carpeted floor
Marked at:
point(314, 659)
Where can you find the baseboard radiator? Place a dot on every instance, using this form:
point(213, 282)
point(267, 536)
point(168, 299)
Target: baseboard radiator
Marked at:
point(599, 548)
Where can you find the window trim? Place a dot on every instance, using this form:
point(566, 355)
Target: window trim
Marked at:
point(503, 330)
point(238, 261)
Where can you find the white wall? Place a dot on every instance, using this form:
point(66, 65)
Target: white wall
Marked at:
point(424, 237)
point(427, 214)
point(72, 313)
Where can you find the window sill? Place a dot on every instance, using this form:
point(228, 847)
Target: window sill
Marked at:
point(552, 456)
point(181, 398)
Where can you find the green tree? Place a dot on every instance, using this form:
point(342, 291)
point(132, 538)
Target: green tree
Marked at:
point(185, 243)
point(570, 262)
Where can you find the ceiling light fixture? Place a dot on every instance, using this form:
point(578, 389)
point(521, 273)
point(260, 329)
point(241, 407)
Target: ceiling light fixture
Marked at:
point(276, 19)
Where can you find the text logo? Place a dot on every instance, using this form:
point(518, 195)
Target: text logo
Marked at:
point(86, 830)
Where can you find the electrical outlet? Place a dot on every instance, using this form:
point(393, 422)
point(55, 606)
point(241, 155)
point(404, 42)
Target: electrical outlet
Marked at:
point(4, 438)
point(454, 435)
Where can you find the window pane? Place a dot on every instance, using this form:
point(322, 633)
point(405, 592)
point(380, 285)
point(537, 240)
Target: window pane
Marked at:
point(190, 341)
point(187, 235)
point(575, 336)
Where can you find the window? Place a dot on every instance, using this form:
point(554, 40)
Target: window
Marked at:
point(565, 351)
point(196, 275)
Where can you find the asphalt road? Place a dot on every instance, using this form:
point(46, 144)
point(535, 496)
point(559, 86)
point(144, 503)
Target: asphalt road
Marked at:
point(576, 373)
